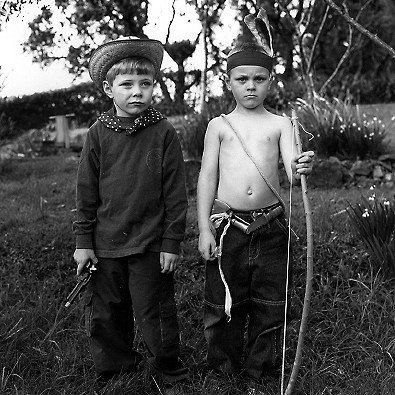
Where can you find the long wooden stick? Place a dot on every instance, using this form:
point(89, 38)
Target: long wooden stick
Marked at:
point(309, 267)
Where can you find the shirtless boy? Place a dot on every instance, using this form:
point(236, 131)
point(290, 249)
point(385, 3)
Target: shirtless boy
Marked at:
point(249, 279)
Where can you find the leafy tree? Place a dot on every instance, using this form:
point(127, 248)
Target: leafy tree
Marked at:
point(326, 52)
point(209, 12)
point(283, 29)
point(368, 75)
point(10, 7)
point(89, 23)
point(183, 80)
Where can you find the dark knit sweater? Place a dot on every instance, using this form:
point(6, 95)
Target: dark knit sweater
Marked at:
point(131, 187)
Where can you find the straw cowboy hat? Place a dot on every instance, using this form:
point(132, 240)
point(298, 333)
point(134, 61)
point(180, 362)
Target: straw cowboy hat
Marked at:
point(112, 52)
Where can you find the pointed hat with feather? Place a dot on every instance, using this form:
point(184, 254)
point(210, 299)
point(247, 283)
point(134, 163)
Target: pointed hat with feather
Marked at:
point(257, 51)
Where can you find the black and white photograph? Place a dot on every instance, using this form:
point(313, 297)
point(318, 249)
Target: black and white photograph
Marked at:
point(197, 197)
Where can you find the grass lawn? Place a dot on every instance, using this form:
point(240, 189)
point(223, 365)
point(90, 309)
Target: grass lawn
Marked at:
point(350, 343)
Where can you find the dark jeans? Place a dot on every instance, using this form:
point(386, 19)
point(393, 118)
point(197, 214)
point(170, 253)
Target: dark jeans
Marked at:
point(254, 267)
point(124, 289)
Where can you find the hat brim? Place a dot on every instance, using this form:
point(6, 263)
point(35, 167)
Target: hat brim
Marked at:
point(112, 52)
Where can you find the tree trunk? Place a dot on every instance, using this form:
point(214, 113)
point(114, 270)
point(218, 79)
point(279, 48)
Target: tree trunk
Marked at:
point(288, 57)
point(164, 89)
point(203, 104)
point(179, 82)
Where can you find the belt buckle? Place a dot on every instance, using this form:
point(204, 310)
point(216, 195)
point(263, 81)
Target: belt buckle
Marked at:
point(256, 213)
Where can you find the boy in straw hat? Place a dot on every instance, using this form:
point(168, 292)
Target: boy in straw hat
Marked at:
point(243, 236)
point(131, 208)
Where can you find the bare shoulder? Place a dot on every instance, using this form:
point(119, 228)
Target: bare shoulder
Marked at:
point(281, 122)
point(215, 126)
point(215, 123)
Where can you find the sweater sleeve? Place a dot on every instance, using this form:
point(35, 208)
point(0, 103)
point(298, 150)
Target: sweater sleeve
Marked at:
point(174, 192)
point(87, 191)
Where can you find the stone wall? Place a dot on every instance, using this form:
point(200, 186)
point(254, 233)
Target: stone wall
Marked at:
point(334, 173)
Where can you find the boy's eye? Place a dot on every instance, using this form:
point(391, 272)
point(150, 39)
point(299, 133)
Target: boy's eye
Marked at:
point(146, 83)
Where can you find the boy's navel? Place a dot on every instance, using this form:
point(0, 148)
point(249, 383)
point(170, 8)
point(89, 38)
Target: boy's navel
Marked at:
point(249, 191)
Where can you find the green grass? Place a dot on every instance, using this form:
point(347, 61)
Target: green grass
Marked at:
point(349, 349)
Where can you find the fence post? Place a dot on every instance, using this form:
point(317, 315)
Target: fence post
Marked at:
point(62, 129)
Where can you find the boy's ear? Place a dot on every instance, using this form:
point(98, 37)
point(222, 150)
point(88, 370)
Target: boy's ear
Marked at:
point(107, 89)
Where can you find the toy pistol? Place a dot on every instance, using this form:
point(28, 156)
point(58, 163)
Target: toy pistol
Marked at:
point(82, 280)
point(246, 227)
point(221, 207)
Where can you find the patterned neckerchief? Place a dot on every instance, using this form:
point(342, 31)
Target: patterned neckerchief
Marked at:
point(130, 125)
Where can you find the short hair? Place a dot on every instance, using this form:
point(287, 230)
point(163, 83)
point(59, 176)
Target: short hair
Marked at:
point(138, 65)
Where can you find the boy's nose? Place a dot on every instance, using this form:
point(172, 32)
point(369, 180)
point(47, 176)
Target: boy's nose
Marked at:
point(250, 85)
point(136, 91)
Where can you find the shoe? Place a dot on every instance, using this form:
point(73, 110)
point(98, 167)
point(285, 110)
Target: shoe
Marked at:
point(103, 378)
point(138, 363)
point(171, 370)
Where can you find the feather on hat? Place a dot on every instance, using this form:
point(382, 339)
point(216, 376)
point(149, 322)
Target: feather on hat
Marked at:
point(260, 28)
point(257, 52)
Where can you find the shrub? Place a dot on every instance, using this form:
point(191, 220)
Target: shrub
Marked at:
point(191, 129)
point(33, 111)
point(340, 130)
point(374, 222)
point(218, 105)
point(7, 127)
point(170, 108)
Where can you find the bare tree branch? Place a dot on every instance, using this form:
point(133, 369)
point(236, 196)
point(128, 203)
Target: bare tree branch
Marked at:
point(309, 13)
point(341, 61)
point(307, 77)
point(300, 13)
point(360, 28)
point(171, 22)
point(191, 84)
point(289, 16)
point(317, 36)
point(197, 38)
point(363, 7)
point(349, 48)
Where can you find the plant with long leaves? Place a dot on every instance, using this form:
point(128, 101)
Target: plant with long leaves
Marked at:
point(374, 222)
point(341, 129)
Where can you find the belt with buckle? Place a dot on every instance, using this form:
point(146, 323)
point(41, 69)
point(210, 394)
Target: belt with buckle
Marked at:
point(260, 217)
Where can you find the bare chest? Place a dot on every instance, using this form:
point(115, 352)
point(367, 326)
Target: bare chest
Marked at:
point(262, 144)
